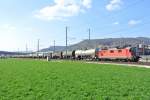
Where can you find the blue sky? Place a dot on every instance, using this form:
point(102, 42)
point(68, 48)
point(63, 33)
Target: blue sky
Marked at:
point(25, 21)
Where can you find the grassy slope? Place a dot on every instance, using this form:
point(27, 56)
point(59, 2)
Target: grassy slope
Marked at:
point(40, 80)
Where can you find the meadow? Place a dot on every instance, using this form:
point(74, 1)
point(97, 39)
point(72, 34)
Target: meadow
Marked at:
point(70, 80)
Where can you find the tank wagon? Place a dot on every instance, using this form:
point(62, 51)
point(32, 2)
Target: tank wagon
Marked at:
point(57, 55)
point(67, 55)
point(85, 54)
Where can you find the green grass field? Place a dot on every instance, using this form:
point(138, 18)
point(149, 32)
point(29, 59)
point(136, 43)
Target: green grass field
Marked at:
point(68, 80)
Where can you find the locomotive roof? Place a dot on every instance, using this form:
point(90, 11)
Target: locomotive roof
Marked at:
point(117, 48)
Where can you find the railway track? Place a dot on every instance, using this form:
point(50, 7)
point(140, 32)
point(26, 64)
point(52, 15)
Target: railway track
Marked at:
point(136, 64)
point(114, 62)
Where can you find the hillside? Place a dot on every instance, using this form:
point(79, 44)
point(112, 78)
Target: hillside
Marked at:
point(109, 42)
point(57, 48)
point(6, 53)
point(2, 53)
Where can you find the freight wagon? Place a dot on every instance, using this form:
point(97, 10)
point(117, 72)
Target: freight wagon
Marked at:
point(85, 54)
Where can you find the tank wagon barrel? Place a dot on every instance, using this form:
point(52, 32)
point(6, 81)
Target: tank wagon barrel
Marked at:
point(85, 54)
point(67, 55)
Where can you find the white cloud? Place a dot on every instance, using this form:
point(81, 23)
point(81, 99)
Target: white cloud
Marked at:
point(114, 5)
point(62, 9)
point(8, 28)
point(134, 22)
point(116, 23)
point(87, 3)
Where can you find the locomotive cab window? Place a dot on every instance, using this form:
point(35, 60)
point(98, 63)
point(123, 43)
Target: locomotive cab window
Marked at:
point(119, 51)
point(111, 51)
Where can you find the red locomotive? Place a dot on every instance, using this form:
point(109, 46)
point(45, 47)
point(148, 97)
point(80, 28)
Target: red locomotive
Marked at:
point(124, 54)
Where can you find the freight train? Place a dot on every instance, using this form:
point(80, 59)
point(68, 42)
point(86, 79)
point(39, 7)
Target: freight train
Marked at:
point(120, 54)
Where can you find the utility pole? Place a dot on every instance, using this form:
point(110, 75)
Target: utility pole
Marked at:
point(89, 34)
point(26, 48)
point(54, 46)
point(18, 51)
point(38, 47)
point(66, 40)
point(143, 45)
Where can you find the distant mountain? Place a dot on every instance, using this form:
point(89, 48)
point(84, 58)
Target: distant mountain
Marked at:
point(109, 42)
point(57, 48)
point(4, 53)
